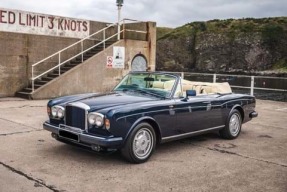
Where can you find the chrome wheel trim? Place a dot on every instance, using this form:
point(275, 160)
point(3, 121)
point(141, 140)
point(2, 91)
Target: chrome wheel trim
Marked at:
point(143, 143)
point(234, 124)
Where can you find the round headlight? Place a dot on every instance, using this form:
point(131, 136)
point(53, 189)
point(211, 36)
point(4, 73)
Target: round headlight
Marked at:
point(96, 119)
point(60, 113)
point(92, 119)
point(54, 111)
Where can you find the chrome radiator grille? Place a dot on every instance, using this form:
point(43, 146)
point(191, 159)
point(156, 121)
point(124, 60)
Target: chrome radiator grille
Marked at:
point(75, 117)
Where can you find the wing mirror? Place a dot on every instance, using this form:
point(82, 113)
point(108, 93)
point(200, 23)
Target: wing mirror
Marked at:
point(190, 93)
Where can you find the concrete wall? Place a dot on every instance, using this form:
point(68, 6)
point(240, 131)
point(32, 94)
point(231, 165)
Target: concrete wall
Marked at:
point(92, 75)
point(18, 52)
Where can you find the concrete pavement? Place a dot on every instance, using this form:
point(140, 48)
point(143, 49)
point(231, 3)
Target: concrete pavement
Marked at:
point(31, 160)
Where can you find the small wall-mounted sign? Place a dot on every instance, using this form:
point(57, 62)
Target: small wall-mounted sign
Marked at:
point(110, 61)
point(118, 57)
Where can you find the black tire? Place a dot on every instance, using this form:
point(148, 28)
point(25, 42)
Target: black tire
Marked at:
point(233, 125)
point(143, 134)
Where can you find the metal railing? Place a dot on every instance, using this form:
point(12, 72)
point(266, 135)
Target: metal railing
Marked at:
point(252, 83)
point(81, 44)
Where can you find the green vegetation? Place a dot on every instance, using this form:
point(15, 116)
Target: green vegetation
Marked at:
point(225, 45)
point(272, 34)
point(161, 31)
point(269, 27)
point(178, 32)
point(281, 65)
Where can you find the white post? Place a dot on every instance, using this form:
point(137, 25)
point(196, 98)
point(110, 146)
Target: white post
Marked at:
point(119, 19)
point(32, 79)
point(182, 75)
point(104, 37)
point(59, 64)
point(214, 78)
point(252, 86)
point(82, 49)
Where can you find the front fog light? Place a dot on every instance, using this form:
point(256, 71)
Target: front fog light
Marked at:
point(96, 119)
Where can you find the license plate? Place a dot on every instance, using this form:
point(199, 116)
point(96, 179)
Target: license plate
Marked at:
point(69, 135)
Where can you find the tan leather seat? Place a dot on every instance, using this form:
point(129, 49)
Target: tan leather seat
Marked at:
point(205, 87)
point(158, 85)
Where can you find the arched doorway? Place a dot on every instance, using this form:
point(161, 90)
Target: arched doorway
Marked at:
point(139, 63)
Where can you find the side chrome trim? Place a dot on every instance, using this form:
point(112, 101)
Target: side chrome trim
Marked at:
point(162, 110)
point(235, 101)
point(192, 133)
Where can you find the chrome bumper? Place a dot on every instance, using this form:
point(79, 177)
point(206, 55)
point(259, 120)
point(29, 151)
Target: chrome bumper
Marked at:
point(84, 138)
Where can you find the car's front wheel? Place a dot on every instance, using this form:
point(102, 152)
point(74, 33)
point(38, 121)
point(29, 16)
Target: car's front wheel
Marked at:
point(140, 144)
point(233, 126)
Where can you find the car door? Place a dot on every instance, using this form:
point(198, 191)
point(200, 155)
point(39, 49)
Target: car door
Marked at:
point(197, 113)
point(164, 114)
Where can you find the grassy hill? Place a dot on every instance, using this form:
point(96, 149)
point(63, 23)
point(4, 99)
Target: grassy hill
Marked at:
point(224, 45)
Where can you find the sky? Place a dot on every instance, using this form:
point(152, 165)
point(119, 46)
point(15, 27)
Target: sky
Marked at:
point(167, 13)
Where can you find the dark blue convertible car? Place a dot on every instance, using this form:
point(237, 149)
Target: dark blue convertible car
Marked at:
point(146, 109)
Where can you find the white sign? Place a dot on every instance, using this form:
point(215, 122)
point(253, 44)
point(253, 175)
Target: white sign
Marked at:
point(119, 57)
point(40, 24)
point(109, 61)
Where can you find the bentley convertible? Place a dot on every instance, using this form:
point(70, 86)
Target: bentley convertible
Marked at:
point(146, 109)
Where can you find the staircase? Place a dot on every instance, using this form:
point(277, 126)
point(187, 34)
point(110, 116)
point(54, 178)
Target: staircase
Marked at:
point(26, 92)
point(97, 42)
point(62, 67)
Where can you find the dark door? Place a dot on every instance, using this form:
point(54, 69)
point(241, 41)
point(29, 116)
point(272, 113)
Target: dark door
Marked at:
point(164, 114)
point(197, 113)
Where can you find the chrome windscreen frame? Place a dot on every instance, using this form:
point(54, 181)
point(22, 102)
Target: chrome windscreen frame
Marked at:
point(83, 106)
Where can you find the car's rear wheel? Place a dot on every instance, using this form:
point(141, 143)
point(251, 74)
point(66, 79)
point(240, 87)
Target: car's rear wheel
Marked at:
point(233, 126)
point(140, 144)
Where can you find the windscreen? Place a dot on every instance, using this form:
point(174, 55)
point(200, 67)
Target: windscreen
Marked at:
point(153, 84)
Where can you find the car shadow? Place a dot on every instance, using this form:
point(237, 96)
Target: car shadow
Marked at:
point(64, 151)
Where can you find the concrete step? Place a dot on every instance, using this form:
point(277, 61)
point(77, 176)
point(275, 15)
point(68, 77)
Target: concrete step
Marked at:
point(75, 62)
point(53, 75)
point(41, 82)
point(71, 65)
point(79, 59)
point(24, 95)
point(95, 50)
point(36, 86)
point(90, 54)
point(64, 69)
point(27, 90)
point(47, 79)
